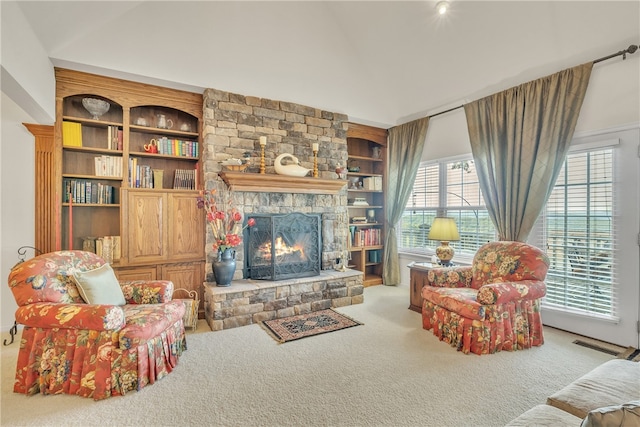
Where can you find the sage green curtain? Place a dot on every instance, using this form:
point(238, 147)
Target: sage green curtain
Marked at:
point(405, 150)
point(519, 140)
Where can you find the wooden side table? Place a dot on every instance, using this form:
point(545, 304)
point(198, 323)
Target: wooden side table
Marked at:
point(418, 278)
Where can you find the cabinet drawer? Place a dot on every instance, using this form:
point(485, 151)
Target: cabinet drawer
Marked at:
point(138, 273)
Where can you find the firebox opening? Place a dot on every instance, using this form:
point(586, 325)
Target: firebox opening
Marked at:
point(283, 246)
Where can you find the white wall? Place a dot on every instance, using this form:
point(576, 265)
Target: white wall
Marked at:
point(17, 181)
point(28, 96)
point(26, 71)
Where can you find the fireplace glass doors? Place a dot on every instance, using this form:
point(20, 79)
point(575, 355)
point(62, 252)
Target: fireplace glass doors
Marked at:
point(283, 246)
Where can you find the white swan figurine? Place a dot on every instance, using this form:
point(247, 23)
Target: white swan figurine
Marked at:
point(292, 169)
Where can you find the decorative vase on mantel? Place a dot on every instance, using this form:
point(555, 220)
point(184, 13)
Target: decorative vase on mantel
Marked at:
point(224, 267)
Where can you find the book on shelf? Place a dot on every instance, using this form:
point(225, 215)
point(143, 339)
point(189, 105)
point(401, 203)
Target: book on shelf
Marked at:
point(98, 244)
point(84, 191)
point(71, 134)
point(140, 176)
point(178, 147)
point(366, 237)
point(108, 165)
point(114, 138)
point(372, 183)
point(375, 256)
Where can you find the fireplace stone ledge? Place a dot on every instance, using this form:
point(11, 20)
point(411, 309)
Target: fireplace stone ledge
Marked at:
point(251, 301)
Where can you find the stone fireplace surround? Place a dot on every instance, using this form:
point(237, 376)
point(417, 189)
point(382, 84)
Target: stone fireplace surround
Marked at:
point(232, 126)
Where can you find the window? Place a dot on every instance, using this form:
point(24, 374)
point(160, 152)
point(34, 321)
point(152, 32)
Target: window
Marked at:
point(446, 188)
point(579, 234)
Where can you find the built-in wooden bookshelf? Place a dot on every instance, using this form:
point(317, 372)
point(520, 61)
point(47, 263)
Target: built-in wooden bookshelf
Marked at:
point(366, 175)
point(133, 172)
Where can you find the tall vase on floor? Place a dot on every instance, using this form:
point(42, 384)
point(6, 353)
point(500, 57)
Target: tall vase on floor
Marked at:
point(224, 267)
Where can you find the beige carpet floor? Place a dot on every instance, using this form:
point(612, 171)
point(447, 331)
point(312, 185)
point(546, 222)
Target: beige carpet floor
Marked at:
point(388, 372)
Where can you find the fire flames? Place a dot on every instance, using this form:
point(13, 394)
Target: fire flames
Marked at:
point(283, 250)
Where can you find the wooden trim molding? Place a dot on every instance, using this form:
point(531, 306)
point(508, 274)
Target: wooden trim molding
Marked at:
point(378, 135)
point(45, 199)
point(273, 183)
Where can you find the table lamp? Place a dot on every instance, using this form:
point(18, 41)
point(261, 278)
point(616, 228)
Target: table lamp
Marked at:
point(445, 230)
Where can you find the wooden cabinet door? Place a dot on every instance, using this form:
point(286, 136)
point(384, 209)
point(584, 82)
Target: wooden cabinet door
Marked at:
point(146, 226)
point(186, 227)
point(189, 276)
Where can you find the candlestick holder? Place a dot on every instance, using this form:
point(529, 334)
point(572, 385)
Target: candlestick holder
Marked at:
point(315, 163)
point(262, 168)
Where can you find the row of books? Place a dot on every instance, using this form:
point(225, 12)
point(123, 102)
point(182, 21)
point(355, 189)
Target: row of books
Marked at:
point(375, 256)
point(142, 177)
point(178, 147)
point(366, 237)
point(97, 245)
point(372, 183)
point(72, 136)
point(114, 138)
point(108, 166)
point(85, 191)
point(185, 179)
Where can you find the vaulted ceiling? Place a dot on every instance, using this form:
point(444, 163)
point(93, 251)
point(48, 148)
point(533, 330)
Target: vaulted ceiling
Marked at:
point(380, 62)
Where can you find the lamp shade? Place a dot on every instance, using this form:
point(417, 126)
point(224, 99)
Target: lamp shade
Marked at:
point(444, 229)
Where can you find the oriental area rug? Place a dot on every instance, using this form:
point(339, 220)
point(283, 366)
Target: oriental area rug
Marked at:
point(306, 325)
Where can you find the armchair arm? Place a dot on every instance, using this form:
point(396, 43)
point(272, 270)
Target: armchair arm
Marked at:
point(499, 293)
point(147, 291)
point(450, 277)
point(96, 317)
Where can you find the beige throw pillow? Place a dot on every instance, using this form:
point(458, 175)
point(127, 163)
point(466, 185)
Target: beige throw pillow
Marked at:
point(99, 286)
point(625, 415)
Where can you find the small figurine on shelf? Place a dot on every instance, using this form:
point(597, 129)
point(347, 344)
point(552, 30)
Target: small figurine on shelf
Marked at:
point(371, 216)
point(341, 172)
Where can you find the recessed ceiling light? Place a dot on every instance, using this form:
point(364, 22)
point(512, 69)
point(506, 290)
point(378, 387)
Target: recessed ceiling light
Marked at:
point(442, 7)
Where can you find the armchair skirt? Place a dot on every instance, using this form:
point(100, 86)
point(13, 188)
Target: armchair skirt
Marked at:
point(510, 326)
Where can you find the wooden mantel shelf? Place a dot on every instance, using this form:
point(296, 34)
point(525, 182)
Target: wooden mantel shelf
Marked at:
point(273, 183)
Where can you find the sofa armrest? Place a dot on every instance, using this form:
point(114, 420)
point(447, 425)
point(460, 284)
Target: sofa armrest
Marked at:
point(147, 291)
point(96, 317)
point(450, 277)
point(499, 293)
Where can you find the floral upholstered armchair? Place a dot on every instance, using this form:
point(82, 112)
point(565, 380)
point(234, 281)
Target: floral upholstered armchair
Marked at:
point(492, 305)
point(87, 334)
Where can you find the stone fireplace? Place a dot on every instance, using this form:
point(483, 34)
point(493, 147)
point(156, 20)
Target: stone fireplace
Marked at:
point(233, 124)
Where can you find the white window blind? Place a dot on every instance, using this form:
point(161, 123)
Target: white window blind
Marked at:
point(579, 227)
point(446, 188)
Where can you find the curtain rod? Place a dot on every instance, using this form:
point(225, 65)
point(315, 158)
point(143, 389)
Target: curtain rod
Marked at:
point(631, 49)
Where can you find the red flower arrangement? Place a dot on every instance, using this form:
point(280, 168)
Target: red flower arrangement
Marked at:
point(224, 219)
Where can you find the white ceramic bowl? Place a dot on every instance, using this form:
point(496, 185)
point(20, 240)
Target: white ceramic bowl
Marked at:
point(96, 107)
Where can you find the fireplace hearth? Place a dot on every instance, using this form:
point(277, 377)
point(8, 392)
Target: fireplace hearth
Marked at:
point(283, 246)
